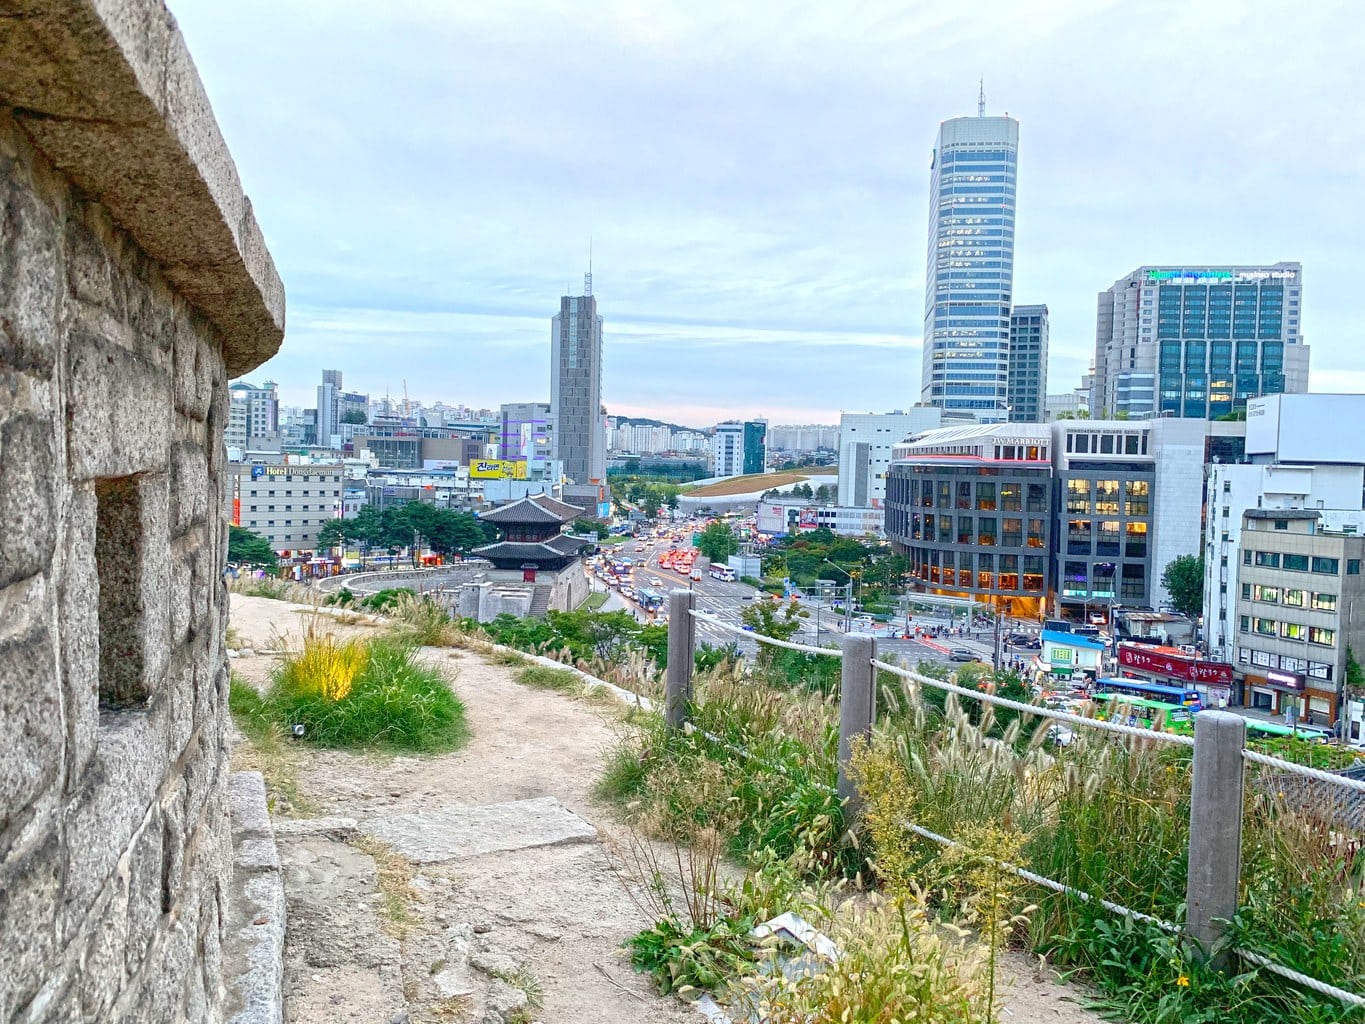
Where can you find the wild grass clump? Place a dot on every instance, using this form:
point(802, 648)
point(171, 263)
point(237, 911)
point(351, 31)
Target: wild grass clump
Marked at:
point(895, 963)
point(561, 680)
point(420, 621)
point(269, 587)
point(364, 694)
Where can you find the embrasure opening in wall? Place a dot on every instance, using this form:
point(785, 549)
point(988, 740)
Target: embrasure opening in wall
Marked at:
point(118, 561)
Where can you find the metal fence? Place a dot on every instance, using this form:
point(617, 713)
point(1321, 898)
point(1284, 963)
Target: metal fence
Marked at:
point(1220, 756)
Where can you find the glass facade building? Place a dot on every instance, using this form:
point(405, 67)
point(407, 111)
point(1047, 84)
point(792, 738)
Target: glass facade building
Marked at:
point(1199, 341)
point(970, 267)
point(1027, 393)
point(1075, 518)
point(579, 428)
point(972, 511)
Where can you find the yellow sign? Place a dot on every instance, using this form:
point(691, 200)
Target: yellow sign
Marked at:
point(497, 469)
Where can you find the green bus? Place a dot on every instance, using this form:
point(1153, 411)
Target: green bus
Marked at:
point(1141, 713)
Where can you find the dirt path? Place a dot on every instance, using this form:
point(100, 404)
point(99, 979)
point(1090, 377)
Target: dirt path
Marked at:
point(477, 928)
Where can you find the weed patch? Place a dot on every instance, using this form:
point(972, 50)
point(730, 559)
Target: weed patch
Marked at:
point(558, 679)
point(364, 694)
point(267, 750)
point(394, 881)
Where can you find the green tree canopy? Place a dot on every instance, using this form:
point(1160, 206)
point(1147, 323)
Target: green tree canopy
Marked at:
point(1183, 579)
point(248, 548)
point(717, 542)
point(354, 416)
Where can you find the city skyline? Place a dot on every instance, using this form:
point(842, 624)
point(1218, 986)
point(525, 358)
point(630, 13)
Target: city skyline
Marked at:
point(753, 207)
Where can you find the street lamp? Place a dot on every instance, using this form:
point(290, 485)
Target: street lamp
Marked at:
point(848, 601)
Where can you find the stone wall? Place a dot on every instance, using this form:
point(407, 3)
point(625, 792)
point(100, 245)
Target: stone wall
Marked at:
point(113, 374)
point(112, 746)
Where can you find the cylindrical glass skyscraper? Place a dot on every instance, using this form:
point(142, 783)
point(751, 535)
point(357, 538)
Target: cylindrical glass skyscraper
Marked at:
point(970, 267)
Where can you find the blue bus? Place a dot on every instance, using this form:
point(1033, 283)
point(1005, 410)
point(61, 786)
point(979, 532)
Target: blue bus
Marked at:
point(651, 599)
point(1175, 696)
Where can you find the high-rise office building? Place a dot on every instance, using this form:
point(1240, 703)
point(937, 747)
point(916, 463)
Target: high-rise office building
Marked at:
point(740, 449)
point(1027, 390)
point(580, 437)
point(329, 407)
point(253, 417)
point(866, 443)
point(1198, 341)
point(524, 432)
point(970, 266)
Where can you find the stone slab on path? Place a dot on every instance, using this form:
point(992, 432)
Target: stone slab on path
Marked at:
point(451, 833)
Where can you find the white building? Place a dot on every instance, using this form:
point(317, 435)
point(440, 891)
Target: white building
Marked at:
point(285, 503)
point(253, 417)
point(778, 516)
point(727, 449)
point(1298, 457)
point(1072, 403)
point(865, 450)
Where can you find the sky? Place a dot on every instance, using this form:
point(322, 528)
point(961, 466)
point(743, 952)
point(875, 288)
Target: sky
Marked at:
point(753, 181)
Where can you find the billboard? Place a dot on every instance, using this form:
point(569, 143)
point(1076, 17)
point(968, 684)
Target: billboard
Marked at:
point(1190, 670)
point(497, 469)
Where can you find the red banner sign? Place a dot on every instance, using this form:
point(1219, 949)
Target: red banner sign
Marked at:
point(1174, 666)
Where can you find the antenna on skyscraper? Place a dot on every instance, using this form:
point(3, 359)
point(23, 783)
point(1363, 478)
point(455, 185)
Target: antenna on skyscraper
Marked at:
point(587, 278)
point(981, 99)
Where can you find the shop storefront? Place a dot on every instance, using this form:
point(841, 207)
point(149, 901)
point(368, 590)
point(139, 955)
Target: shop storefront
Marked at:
point(1069, 657)
point(1291, 694)
point(1173, 667)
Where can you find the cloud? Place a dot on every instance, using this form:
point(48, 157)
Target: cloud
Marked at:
point(754, 179)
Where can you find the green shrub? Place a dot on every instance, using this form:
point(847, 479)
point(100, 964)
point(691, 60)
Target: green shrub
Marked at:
point(393, 702)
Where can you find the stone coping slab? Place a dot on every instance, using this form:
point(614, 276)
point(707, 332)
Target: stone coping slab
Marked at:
point(108, 91)
point(450, 833)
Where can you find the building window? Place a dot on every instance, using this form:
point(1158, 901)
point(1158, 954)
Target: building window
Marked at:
point(1078, 496)
point(1319, 635)
point(1325, 602)
point(1271, 595)
point(1294, 598)
point(1107, 497)
point(119, 543)
point(1326, 566)
point(1268, 559)
point(1244, 623)
point(1246, 557)
point(1266, 627)
point(1293, 630)
point(1353, 567)
point(1296, 563)
point(1246, 591)
point(1281, 524)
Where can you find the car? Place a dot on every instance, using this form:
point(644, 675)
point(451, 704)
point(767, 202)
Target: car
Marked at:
point(654, 581)
point(1061, 735)
point(696, 576)
point(961, 654)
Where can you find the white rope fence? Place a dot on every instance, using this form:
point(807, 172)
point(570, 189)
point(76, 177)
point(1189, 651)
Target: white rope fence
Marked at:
point(1055, 886)
point(1033, 709)
point(1321, 987)
point(1343, 781)
point(1358, 785)
point(762, 638)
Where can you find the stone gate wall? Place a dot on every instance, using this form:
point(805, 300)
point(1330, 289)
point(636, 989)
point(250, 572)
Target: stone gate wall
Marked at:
point(132, 283)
